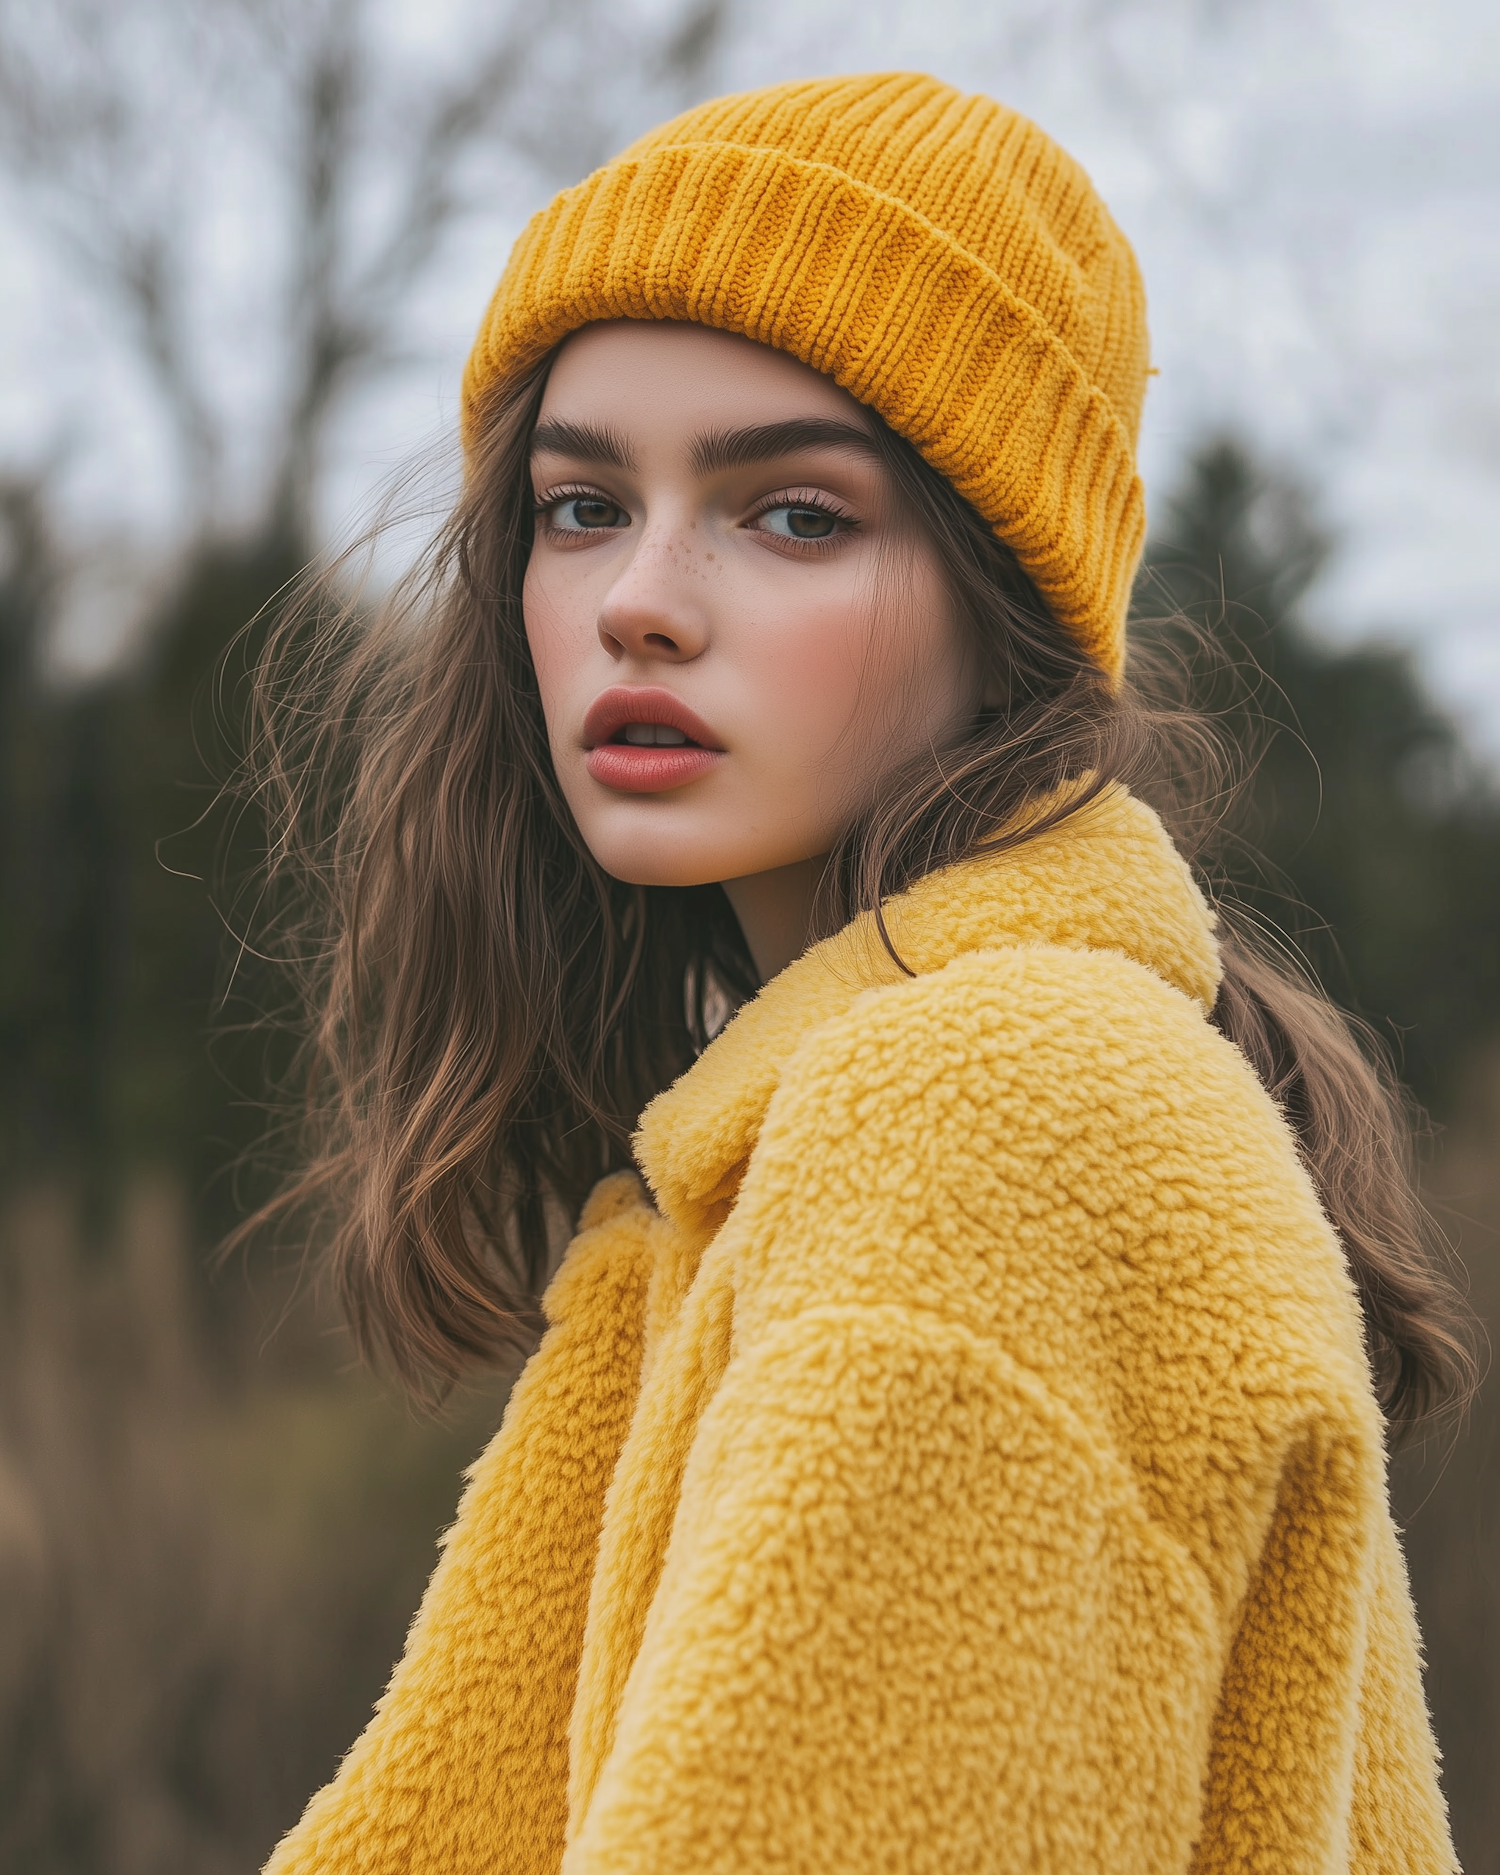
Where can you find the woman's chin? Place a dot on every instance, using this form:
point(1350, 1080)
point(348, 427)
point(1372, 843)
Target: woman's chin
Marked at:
point(665, 861)
point(660, 863)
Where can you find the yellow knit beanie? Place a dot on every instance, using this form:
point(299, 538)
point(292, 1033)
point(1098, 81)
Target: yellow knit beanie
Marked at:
point(934, 253)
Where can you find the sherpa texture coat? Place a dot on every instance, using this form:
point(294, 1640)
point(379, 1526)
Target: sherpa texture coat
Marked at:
point(967, 1464)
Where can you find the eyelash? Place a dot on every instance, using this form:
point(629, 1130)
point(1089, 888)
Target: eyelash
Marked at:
point(784, 498)
point(816, 504)
point(543, 505)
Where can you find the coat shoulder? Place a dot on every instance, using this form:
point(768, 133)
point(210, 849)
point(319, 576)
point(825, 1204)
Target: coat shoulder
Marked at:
point(1000, 1022)
point(1055, 1146)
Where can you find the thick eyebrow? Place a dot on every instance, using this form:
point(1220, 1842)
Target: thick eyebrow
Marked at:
point(584, 442)
point(716, 450)
point(719, 450)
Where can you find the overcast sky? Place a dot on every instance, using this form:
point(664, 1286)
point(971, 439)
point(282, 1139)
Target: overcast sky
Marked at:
point(1313, 187)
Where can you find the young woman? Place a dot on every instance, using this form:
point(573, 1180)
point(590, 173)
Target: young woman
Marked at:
point(956, 1443)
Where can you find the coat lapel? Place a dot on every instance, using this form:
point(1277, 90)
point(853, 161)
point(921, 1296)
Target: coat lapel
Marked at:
point(1107, 879)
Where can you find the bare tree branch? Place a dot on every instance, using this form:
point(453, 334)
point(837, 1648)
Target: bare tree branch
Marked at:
point(116, 125)
point(72, 133)
point(687, 54)
point(455, 119)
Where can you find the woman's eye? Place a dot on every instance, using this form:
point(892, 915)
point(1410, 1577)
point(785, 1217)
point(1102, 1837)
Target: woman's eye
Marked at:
point(799, 523)
point(583, 514)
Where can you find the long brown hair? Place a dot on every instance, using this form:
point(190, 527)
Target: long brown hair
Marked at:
point(486, 1011)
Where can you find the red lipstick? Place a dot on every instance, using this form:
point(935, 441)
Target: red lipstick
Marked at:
point(634, 767)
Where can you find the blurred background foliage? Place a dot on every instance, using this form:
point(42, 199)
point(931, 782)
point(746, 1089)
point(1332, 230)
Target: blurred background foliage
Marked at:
point(213, 1528)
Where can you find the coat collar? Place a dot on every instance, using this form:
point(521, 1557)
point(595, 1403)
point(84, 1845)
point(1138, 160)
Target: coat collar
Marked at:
point(1108, 879)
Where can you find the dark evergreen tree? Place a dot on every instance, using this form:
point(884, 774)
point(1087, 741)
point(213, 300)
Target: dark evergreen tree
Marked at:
point(1378, 832)
point(113, 947)
point(60, 874)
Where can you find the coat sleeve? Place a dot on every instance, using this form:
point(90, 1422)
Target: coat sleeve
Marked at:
point(463, 1769)
point(927, 1605)
point(887, 1633)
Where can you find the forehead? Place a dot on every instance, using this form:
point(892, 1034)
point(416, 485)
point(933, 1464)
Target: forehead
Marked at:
point(652, 375)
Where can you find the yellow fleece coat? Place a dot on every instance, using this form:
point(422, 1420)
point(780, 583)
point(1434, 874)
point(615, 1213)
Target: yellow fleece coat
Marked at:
point(967, 1465)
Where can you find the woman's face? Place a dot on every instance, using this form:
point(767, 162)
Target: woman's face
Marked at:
point(735, 631)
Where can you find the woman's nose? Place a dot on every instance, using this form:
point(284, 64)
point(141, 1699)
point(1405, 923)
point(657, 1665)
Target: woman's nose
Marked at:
point(656, 609)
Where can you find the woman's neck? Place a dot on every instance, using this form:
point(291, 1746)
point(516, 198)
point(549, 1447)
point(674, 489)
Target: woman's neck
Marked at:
point(775, 912)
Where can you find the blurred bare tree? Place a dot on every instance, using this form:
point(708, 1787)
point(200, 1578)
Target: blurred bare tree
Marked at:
point(208, 1553)
point(335, 154)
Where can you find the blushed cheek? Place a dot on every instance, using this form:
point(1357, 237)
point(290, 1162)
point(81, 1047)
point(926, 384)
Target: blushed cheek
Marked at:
point(808, 675)
point(806, 752)
point(858, 687)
